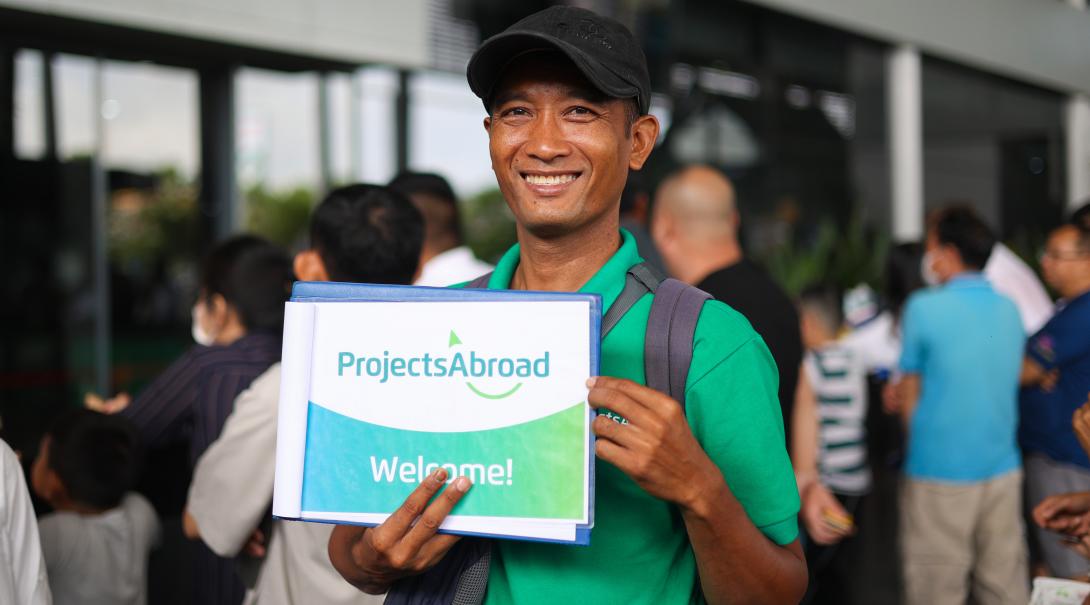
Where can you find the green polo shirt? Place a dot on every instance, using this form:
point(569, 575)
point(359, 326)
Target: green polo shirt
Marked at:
point(639, 551)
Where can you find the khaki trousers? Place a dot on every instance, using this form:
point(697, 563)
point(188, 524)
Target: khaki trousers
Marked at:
point(962, 539)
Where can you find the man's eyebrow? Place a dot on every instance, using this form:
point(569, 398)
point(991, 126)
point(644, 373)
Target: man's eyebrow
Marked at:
point(588, 95)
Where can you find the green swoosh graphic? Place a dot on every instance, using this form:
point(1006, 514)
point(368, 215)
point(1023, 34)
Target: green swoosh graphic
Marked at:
point(490, 396)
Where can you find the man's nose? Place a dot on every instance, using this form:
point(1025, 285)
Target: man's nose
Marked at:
point(546, 141)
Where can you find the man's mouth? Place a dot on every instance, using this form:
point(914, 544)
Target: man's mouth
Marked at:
point(550, 179)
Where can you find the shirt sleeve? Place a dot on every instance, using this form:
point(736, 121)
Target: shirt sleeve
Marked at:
point(1059, 342)
point(912, 344)
point(163, 411)
point(20, 532)
point(735, 414)
point(233, 480)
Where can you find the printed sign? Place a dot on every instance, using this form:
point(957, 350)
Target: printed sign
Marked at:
point(387, 392)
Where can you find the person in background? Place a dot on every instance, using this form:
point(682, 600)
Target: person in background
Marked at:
point(829, 447)
point(695, 227)
point(97, 540)
point(23, 576)
point(237, 324)
point(1055, 379)
point(635, 209)
point(359, 233)
point(444, 258)
point(961, 504)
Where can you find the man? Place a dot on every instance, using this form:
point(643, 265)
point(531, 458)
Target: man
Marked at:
point(22, 568)
point(695, 226)
point(683, 508)
point(444, 258)
point(359, 233)
point(1056, 379)
point(961, 523)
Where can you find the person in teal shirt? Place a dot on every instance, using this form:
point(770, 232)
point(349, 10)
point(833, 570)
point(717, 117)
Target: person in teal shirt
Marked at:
point(694, 505)
point(961, 502)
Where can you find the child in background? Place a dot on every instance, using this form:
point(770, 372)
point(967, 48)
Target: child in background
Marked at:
point(97, 540)
point(828, 446)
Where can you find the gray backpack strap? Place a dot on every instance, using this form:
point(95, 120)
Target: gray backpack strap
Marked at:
point(668, 343)
point(480, 282)
point(639, 280)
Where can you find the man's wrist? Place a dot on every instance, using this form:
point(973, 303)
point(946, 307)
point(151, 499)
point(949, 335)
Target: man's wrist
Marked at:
point(706, 496)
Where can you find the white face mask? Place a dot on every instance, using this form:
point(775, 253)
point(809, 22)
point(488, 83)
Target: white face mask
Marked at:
point(199, 335)
point(926, 272)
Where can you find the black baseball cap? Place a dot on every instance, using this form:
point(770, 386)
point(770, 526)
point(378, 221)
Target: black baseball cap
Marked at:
point(602, 49)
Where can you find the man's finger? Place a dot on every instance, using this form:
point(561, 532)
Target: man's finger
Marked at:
point(643, 395)
point(434, 515)
point(626, 435)
point(437, 546)
point(620, 403)
point(399, 523)
point(614, 454)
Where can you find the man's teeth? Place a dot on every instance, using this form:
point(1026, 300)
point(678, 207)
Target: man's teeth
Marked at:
point(552, 179)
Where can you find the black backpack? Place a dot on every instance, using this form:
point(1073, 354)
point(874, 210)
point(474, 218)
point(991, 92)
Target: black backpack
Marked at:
point(461, 578)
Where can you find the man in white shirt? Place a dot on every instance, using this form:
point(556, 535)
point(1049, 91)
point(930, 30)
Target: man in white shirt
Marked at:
point(22, 567)
point(359, 233)
point(444, 259)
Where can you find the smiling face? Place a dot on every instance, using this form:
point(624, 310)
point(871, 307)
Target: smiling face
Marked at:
point(561, 152)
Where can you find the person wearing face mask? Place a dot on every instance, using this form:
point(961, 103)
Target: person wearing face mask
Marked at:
point(237, 323)
point(961, 502)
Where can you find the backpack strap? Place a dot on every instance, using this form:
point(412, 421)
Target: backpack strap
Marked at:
point(668, 342)
point(480, 282)
point(639, 280)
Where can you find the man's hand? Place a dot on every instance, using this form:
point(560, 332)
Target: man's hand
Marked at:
point(818, 504)
point(1063, 513)
point(112, 405)
point(655, 447)
point(1080, 421)
point(406, 544)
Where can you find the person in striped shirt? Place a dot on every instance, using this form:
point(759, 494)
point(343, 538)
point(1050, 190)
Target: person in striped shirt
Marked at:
point(828, 448)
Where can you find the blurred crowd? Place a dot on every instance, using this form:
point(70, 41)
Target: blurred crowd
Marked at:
point(938, 427)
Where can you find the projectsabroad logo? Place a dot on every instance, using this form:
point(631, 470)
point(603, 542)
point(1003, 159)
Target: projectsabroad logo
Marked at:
point(468, 365)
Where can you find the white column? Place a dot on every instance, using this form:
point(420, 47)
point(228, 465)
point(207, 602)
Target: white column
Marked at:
point(1077, 133)
point(904, 101)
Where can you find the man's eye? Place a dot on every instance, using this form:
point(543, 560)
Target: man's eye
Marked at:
point(515, 111)
point(579, 110)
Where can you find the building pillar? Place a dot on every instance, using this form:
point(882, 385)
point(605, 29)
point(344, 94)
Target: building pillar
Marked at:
point(221, 208)
point(401, 121)
point(1077, 135)
point(904, 101)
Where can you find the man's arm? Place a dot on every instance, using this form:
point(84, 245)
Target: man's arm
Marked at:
point(233, 480)
point(657, 449)
point(817, 501)
point(908, 394)
point(1035, 375)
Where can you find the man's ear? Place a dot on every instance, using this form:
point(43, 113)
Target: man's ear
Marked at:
point(308, 266)
point(645, 132)
point(488, 124)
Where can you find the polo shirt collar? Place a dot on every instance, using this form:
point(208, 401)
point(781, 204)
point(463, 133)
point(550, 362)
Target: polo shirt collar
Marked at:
point(967, 278)
point(607, 282)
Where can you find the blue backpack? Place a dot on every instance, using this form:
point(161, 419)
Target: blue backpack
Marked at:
point(461, 578)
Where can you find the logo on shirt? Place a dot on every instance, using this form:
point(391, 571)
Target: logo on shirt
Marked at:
point(1045, 346)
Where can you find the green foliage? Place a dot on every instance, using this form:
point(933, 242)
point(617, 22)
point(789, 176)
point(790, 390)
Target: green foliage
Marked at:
point(163, 224)
point(488, 224)
point(280, 216)
point(842, 257)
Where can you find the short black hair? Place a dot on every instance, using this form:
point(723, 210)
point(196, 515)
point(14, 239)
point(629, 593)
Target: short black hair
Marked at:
point(825, 301)
point(368, 233)
point(96, 456)
point(962, 228)
point(1081, 216)
point(902, 276)
point(442, 222)
point(254, 276)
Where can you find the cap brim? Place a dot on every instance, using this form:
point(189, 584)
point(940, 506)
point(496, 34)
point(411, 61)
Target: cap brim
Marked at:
point(487, 65)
